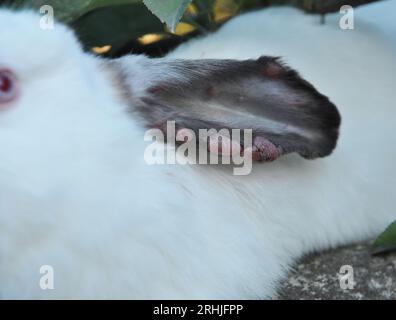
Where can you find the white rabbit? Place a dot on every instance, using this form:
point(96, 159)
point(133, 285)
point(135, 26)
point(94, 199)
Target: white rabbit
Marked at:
point(77, 195)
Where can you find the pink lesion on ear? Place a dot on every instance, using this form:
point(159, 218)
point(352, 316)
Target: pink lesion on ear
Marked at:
point(210, 92)
point(156, 89)
point(261, 150)
point(271, 70)
point(219, 144)
point(264, 150)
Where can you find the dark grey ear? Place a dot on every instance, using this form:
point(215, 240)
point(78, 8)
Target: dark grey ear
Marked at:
point(283, 109)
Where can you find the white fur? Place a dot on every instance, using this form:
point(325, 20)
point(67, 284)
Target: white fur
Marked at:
point(75, 192)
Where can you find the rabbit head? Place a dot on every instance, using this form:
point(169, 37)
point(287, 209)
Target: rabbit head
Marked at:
point(58, 112)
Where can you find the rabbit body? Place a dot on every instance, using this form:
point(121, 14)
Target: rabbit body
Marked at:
point(77, 195)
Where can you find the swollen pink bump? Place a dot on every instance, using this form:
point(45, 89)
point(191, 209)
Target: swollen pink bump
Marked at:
point(265, 149)
point(156, 89)
point(249, 153)
point(271, 70)
point(219, 144)
point(210, 92)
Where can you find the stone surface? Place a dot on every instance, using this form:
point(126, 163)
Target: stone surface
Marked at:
point(318, 276)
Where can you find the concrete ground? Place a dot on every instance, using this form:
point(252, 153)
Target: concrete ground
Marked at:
point(318, 276)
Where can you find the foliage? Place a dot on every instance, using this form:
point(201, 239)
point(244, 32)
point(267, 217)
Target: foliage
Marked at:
point(118, 25)
point(168, 11)
point(387, 240)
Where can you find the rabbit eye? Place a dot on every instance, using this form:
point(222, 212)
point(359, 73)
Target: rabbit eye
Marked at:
point(8, 88)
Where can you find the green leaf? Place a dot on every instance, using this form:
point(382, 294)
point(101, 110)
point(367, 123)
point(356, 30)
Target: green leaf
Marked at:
point(168, 11)
point(386, 240)
point(116, 26)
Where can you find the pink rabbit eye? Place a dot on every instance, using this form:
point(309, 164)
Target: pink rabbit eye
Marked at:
point(8, 87)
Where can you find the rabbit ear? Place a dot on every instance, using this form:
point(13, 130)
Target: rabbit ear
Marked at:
point(286, 113)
